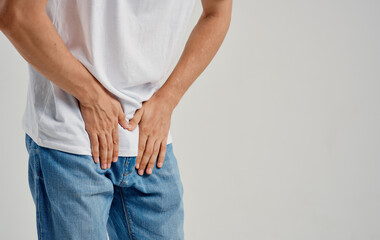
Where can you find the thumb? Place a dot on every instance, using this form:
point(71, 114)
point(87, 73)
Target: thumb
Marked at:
point(122, 121)
point(135, 120)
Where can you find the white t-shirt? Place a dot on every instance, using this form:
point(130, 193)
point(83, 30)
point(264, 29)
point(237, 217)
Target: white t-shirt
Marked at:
point(129, 46)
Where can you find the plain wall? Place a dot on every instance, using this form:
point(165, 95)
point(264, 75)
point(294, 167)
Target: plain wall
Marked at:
point(278, 139)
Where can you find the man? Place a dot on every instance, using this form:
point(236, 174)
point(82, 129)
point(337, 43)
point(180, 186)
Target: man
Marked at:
point(95, 96)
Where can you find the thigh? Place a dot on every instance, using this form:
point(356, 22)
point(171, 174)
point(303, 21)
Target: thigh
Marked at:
point(149, 206)
point(72, 195)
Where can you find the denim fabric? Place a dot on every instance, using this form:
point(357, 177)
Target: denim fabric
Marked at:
point(76, 199)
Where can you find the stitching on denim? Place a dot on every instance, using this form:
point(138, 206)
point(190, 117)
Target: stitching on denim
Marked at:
point(123, 180)
point(129, 172)
point(38, 197)
point(127, 218)
point(122, 183)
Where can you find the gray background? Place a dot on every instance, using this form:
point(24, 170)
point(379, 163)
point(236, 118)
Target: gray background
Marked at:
point(278, 139)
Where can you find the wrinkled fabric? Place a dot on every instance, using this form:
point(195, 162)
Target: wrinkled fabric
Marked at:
point(129, 46)
point(75, 199)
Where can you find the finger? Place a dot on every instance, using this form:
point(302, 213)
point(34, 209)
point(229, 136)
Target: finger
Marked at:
point(109, 149)
point(146, 155)
point(153, 158)
point(161, 157)
point(142, 142)
point(136, 119)
point(103, 150)
point(94, 147)
point(115, 139)
point(122, 119)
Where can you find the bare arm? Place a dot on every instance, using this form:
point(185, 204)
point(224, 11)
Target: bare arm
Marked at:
point(28, 27)
point(30, 30)
point(154, 117)
point(201, 47)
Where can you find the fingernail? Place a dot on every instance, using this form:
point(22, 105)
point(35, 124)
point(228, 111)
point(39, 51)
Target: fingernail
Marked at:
point(115, 159)
point(104, 165)
point(108, 165)
point(137, 165)
point(159, 164)
point(141, 172)
point(149, 170)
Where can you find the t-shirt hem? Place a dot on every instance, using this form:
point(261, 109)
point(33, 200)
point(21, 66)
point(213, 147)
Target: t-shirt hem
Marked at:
point(123, 152)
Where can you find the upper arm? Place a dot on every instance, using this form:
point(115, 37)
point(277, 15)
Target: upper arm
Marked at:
point(13, 11)
point(217, 8)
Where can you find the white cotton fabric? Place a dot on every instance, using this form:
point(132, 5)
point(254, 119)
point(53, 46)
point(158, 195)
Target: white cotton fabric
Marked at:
point(129, 46)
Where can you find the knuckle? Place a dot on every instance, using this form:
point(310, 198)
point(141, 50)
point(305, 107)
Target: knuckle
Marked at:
point(94, 146)
point(103, 153)
point(88, 129)
point(145, 128)
point(108, 126)
point(103, 145)
point(144, 161)
point(156, 151)
point(141, 148)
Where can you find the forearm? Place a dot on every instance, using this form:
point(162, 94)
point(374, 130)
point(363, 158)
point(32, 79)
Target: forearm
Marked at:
point(36, 39)
point(202, 45)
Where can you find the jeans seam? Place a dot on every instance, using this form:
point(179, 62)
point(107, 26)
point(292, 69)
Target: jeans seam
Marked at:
point(127, 218)
point(124, 173)
point(38, 192)
point(123, 180)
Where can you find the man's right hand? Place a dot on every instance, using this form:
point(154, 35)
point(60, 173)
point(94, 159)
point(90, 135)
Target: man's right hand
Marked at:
point(101, 117)
point(29, 28)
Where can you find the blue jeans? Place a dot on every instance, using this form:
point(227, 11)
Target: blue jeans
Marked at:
point(76, 199)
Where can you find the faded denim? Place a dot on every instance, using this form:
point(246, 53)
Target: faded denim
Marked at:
point(77, 200)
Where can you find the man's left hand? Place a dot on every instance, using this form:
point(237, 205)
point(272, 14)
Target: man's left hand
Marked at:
point(154, 119)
